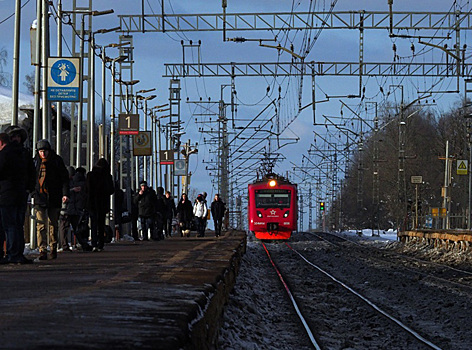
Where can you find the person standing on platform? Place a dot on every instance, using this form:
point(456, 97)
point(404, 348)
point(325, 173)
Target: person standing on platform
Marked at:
point(146, 201)
point(200, 211)
point(218, 209)
point(64, 217)
point(170, 213)
point(185, 215)
point(52, 189)
point(119, 209)
point(205, 221)
point(76, 209)
point(99, 187)
point(16, 179)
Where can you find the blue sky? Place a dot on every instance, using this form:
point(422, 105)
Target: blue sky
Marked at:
point(152, 50)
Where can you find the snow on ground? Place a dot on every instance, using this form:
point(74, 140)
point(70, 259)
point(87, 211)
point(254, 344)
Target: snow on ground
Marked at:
point(25, 100)
point(251, 321)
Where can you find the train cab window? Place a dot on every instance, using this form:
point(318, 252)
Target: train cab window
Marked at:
point(272, 198)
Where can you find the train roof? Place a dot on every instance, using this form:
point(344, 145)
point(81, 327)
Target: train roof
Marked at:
point(272, 176)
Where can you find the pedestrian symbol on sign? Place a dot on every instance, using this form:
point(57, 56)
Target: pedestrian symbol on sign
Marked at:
point(63, 72)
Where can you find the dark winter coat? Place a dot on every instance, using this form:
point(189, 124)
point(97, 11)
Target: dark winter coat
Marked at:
point(120, 205)
point(17, 175)
point(170, 207)
point(56, 182)
point(218, 209)
point(77, 200)
point(99, 187)
point(146, 203)
point(185, 211)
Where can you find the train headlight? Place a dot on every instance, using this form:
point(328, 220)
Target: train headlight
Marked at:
point(286, 213)
point(259, 214)
point(272, 183)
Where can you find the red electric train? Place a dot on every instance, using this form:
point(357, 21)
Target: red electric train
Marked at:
point(272, 207)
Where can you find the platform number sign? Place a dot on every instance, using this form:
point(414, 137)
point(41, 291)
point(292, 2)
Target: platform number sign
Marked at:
point(128, 124)
point(166, 157)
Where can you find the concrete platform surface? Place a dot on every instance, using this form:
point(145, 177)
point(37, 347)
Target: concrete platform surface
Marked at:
point(134, 295)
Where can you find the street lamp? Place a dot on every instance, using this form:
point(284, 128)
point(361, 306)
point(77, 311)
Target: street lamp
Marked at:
point(80, 111)
point(127, 84)
point(106, 59)
point(157, 131)
point(186, 151)
point(148, 98)
point(91, 142)
point(120, 58)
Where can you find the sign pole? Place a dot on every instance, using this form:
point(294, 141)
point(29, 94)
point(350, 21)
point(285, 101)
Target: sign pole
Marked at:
point(416, 206)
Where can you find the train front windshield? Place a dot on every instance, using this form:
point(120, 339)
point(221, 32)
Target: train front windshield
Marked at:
point(272, 198)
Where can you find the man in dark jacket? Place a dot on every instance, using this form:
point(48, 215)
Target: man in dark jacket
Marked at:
point(16, 179)
point(218, 209)
point(99, 187)
point(52, 189)
point(146, 201)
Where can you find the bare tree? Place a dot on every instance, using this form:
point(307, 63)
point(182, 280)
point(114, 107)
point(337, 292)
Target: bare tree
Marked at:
point(5, 78)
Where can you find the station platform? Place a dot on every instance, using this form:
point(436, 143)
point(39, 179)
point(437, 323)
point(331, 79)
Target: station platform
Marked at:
point(167, 294)
point(448, 239)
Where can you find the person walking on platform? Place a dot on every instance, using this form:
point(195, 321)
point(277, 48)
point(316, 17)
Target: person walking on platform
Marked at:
point(78, 216)
point(16, 179)
point(218, 209)
point(99, 187)
point(52, 189)
point(200, 211)
point(205, 223)
point(146, 201)
point(170, 213)
point(184, 215)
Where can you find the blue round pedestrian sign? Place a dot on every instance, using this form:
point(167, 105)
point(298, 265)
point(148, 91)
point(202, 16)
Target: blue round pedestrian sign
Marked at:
point(63, 72)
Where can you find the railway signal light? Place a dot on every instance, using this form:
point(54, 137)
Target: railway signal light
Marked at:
point(322, 206)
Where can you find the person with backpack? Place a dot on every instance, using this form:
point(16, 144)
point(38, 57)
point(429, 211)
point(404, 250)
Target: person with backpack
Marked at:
point(200, 211)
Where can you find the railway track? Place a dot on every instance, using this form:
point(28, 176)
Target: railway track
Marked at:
point(446, 275)
point(341, 306)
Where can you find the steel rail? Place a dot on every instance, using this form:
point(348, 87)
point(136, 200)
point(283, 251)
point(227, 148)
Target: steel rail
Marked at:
point(294, 303)
point(368, 302)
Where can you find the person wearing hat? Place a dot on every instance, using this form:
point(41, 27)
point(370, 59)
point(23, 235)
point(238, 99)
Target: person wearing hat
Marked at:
point(16, 179)
point(51, 190)
point(146, 200)
point(217, 209)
